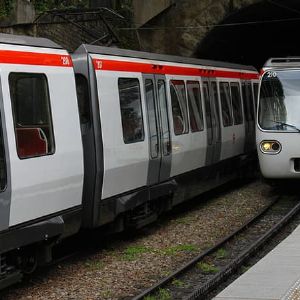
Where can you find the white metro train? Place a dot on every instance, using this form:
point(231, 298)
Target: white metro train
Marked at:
point(110, 137)
point(278, 122)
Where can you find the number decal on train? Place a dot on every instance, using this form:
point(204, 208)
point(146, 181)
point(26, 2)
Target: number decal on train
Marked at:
point(271, 74)
point(65, 60)
point(99, 64)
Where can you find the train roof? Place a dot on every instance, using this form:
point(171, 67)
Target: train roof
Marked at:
point(86, 48)
point(22, 40)
point(279, 62)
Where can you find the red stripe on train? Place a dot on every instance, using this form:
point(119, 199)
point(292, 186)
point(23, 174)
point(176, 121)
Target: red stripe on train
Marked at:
point(37, 59)
point(126, 66)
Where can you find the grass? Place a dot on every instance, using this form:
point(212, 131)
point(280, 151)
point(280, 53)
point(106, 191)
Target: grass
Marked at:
point(175, 249)
point(132, 252)
point(178, 283)
point(162, 294)
point(221, 253)
point(207, 268)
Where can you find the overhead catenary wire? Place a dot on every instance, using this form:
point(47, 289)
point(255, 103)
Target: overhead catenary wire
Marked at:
point(284, 6)
point(237, 24)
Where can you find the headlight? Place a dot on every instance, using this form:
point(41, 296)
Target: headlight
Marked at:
point(270, 147)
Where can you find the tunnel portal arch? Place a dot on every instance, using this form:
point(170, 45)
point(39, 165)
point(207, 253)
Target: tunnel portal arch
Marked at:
point(270, 29)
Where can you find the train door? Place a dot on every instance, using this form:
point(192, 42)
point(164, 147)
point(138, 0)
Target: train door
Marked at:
point(159, 131)
point(249, 115)
point(212, 114)
point(255, 95)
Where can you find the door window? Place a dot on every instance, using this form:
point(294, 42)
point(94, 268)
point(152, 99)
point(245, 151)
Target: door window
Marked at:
point(195, 106)
point(131, 110)
point(226, 104)
point(149, 88)
point(179, 107)
point(236, 103)
point(161, 86)
point(208, 116)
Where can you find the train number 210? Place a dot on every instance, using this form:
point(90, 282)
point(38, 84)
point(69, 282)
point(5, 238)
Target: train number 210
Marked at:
point(271, 74)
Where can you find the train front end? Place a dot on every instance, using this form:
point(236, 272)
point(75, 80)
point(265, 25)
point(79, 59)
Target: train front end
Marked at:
point(278, 119)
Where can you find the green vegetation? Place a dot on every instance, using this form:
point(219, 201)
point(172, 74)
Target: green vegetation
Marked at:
point(178, 283)
point(5, 7)
point(207, 268)
point(149, 298)
point(221, 253)
point(132, 252)
point(175, 249)
point(163, 294)
point(106, 294)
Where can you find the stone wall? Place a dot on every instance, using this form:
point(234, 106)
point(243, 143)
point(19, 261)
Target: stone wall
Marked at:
point(146, 10)
point(24, 12)
point(179, 29)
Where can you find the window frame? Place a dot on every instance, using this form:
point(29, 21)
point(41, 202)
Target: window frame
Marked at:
point(141, 110)
point(49, 110)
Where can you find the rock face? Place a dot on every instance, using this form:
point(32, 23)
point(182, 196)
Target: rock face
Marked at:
point(24, 12)
point(146, 10)
point(179, 29)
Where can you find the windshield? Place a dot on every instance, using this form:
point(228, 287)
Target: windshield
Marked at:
point(279, 102)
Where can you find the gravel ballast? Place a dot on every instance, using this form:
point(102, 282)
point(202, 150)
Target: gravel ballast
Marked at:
point(129, 264)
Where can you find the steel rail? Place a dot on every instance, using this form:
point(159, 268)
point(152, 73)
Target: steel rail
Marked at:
point(195, 260)
point(201, 290)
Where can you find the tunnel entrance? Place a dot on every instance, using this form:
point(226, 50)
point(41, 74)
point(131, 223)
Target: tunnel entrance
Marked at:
point(266, 33)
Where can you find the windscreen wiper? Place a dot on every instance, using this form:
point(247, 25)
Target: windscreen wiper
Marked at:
point(287, 125)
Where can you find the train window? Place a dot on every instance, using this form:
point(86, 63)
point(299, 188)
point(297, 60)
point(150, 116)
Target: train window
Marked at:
point(83, 98)
point(179, 107)
point(149, 88)
point(236, 103)
point(226, 104)
point(195, 106)
point(161, 90)
point(32, 114)
point(207, 111)
point(131, 110)
point(247, 101)
point(216, 110)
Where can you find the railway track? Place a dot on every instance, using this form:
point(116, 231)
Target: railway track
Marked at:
point(201, 275)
